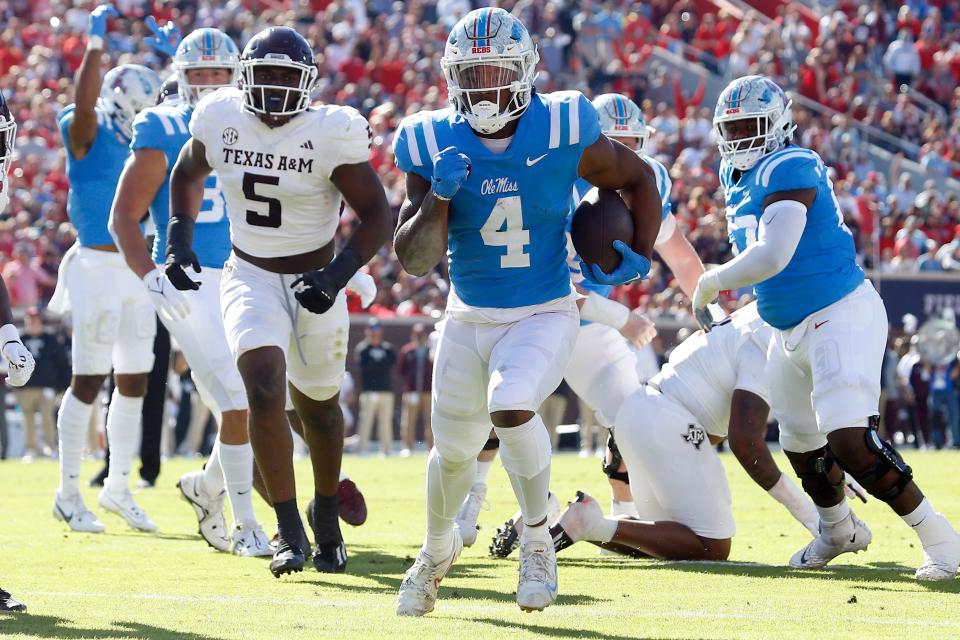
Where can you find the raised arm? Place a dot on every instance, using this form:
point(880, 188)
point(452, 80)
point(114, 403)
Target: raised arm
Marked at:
point(83, 127)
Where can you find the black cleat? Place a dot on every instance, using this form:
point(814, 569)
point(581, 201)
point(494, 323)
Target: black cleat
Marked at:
point(505, 540)
point(329, 556)
point(8, 603)
point(289, 558)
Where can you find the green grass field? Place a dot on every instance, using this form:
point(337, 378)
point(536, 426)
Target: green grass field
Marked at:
point(122, 584)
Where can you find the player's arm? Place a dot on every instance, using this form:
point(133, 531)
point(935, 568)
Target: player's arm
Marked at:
point(187, 182)
point(361, 188)
point(83, 126)
point(143, 175)
point(781, 227)
point(421, 236)
point(681, 258)
point(610, 165)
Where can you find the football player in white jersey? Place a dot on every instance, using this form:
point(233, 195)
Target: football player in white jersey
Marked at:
point(830, 326)
point(286, 169)
point(204, 61)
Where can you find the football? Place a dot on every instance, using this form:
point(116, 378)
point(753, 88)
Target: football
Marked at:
point(601, 217)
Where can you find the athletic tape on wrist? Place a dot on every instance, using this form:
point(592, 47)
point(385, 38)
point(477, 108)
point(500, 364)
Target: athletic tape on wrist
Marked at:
point(596, 308)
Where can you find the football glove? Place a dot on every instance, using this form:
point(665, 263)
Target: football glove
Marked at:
point(707, 291)
point(317, 290)
point(167, 300)
point(364, 286)
point(180, 253)
point(450, 170)
point(165, 39)
point(98, 20)
point(631, 267)
point(20, 362)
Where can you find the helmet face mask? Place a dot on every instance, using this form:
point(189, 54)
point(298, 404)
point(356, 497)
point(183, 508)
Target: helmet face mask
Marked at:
point(205, 49)
point(489, 64)
point(127, 90)
point(277, 74)
point(8, 139)
point(752, 118)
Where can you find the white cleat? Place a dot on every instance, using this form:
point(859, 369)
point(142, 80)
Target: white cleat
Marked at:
point(537, 587)
point(418, 591)
point(207, 508)
point(74, 512)
point(940, 561)
point(123, 505)
point(466, 521)
point(249, 541)
point(832, 541)
point(581, 516)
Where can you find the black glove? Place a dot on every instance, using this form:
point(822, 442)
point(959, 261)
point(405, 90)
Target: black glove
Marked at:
point(180, 253)
point(321, 286)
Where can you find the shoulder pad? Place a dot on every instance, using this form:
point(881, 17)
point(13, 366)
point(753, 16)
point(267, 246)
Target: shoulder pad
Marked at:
point(415, 141)
point(574, 120)
point(789, 168)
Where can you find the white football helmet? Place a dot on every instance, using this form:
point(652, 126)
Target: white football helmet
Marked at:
point(127, 90)
point(620, 117)
point(489, 52)
point(8, 140)
point(205, 49)
point(760, 100)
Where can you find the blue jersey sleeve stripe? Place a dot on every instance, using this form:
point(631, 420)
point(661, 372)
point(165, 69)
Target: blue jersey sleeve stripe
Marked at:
point(554, 124)
point(422, 140)
point(564, 124)
point(766, 160)
point(412, 148)
point(430, 137)
point(574, 116)
point(763, 178)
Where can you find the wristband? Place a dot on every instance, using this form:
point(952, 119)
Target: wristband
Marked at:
point(180, 231)
point(95, 43)
point(596, 308)
point(9, 333)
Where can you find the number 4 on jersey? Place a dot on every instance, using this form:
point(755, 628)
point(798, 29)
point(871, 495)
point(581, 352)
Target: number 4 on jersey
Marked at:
point(507, 213)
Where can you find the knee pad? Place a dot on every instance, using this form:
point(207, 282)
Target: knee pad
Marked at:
point(815, 479)
point(525, 450)
point(890, 474)
point(612, 469)
point(455, 439)
point(511, 394)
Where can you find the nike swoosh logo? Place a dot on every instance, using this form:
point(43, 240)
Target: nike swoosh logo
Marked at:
point(530, 162)
point(66, 518)
point(243, 493)
point(853, 538)
point(817, 325)
point(803, 557)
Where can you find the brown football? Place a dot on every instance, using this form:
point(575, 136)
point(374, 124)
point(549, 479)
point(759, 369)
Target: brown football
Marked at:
point(601, 217)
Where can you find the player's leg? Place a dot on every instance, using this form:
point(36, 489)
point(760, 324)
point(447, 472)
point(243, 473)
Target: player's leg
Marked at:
point(460, 424)
point(526, 364)
point(132, 359)
point(409, 411)
point(846, 353)
point(469, 512)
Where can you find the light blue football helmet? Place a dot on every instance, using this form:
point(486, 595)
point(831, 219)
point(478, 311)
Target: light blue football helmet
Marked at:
point(759, 99)
point(127, 90)
point(205, 48)
point(489, 51)
point(620, 117)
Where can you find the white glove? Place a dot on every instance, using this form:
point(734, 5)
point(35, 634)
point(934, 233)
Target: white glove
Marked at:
point(708, 289)
point(364, 286)
point(166, 298)
point(639, 329)
point(19, 359)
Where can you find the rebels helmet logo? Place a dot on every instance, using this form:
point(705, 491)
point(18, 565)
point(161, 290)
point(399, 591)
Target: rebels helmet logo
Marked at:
point(230, 136)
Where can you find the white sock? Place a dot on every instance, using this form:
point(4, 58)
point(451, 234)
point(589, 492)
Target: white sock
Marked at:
point(212, 479)
point(447, 486)
point(931, 527)
point(626, 509)
point(237, 463)
point(72, 423)
point(525, 452)
point(483, 470)
point(602, 531)
point(540, 534)
point(834, 515)
point(123, 433)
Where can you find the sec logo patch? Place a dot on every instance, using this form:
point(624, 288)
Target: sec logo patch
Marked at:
point(230, 136)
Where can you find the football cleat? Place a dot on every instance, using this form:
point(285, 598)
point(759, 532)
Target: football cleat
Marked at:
point(507, 537)
point(249, 541)
point(330, 556)
point(466, 521)
point(418, 591)
point(940, 560)
point(9, 603)
point(350, 503)
point(74, 512)
point(832, 541)
point(124, 506)
point(208, 509)
point(537, 586)
point(289, 558)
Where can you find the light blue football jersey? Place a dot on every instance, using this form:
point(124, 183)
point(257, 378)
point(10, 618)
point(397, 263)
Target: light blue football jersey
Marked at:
point(506, 231)
point(93, 178)
point(580, 189)
point(823, 268)
point(166, 128)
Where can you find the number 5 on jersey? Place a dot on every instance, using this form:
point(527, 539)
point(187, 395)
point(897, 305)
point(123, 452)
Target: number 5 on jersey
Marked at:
point(507, 213)
point(251, 182)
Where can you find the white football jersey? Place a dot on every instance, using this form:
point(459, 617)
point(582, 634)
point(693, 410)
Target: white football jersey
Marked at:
point(706, 368)
point(280, 199)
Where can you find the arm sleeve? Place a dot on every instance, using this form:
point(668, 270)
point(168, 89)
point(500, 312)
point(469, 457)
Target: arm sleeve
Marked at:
point(750, 365)
point(667, 228)
point(781, 228)
point(353, 139)
point(145, 132)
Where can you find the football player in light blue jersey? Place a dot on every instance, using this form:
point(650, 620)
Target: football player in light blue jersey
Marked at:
point(205, 60)
point(114, 325)
point(489, 181)
point(830, 326)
